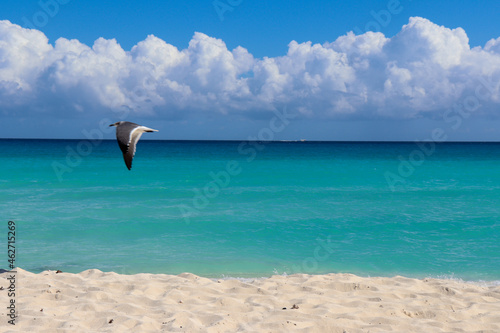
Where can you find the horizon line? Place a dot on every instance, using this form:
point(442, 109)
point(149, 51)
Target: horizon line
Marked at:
point(269, 141)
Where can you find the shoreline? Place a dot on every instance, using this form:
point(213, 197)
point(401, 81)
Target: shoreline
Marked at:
point(256, 276)
point(109, 302)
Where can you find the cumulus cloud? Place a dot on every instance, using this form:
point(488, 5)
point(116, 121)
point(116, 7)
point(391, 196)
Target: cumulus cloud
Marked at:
point(422, 71)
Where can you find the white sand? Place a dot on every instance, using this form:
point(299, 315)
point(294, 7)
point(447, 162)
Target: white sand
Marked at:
point(93, 301)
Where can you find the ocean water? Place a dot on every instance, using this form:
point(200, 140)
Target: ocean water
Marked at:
point(242, 209)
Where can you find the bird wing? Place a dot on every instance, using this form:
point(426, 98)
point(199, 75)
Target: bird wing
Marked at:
point(127, 135)
point(123, 135)
point(135, 135)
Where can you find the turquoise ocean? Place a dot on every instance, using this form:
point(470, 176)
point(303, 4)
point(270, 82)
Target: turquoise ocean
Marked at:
point(250, 209)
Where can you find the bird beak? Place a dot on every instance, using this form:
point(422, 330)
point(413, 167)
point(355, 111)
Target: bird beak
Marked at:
point(112, 125)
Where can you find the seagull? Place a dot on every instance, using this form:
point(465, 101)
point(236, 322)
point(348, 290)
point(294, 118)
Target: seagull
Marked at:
point(128, 134)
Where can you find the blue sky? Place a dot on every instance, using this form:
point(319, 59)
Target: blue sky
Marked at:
point(223, 69)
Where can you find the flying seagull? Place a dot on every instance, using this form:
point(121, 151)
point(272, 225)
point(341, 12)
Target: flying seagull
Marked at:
point(128, 134)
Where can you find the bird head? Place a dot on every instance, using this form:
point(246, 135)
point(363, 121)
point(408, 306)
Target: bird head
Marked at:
point(116, 124)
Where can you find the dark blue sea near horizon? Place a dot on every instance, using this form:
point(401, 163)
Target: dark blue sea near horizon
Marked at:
point(249, 209)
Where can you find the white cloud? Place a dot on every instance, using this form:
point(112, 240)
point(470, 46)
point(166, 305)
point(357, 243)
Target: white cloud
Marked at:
point(23, 56)
point(421, 72)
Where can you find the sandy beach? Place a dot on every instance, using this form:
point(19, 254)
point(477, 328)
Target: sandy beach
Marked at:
point(95, 301)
